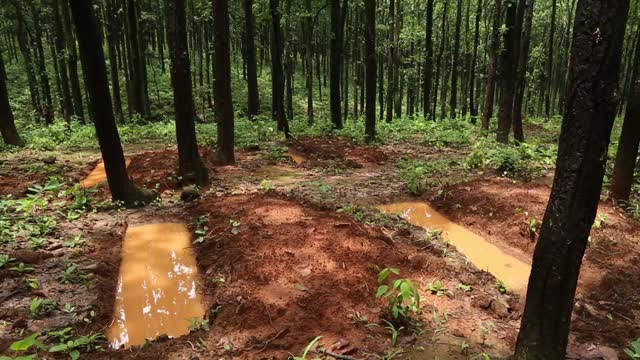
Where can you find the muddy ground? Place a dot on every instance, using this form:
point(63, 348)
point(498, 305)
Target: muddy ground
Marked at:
point(305, 259)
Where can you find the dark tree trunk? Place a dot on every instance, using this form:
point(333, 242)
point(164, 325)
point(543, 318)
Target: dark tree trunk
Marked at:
point(397, 83)
point(138, 97)
point(277, 75)
point(307, 31)
point(455, 62)
point(521, 81)
point(23, 43)
point(67, 104)
point(95, 76)
point(336, 44)
point(7, 124)
point(546, 95)
point(492, 67)
point(439, 62)
point(72, 63)
point(222, 101)
point(508, 71)
point(584, 139)
point(112, 36)
point(391, 86)
point(628, 146)
point(370, 63)
point(47, 107)
point(253, 101)
point(190, 165)
point(428, 62)
point(473, 108)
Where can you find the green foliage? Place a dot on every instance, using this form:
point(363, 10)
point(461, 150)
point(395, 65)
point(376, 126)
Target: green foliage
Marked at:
point(21, 268)
point(403, 297)
point(41, 306)
point(437, 288)
point(502, 287)
point(306, 349)
point(27, 343)
point(196, 323)
point(394, 332)
point(524, 161)
point(202, 230)
point(5, 259)
point(418, 174)
point(633, 351)
point(73, 347)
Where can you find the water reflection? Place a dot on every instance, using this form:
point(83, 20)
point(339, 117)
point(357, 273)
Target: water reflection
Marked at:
point(483, 254)
point(156, 293)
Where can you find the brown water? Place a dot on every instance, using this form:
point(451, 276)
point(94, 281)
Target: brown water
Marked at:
point(98, 175)
point(156, 292)
point(480, 252)
point(296, 157)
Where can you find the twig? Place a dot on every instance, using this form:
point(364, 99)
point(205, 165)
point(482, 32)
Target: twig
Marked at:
point(266, 343)
point(334, 355)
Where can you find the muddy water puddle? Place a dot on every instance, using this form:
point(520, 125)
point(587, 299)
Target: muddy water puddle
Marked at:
point(98, 175)
point(156, 293)
point(296, 156)
point(483, 254)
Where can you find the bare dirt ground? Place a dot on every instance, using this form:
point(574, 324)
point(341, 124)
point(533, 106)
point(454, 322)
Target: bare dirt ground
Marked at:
point(295, 268)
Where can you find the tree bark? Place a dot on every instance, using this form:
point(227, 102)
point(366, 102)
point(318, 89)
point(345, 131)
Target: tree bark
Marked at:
point(7, 124)
point(95, 76)
point(190, 165)
point(47, 107)
point(521, 80)
point(67, 104)
point(112, 40)
point(72, 63)
point(370, 63)
point(473, 109)
point(453, 101)
point(138, 97)
point(627, 154)
point(546, 95)
point(223, 104)
point(508, 70)
point(391, 86)
point(23, 43)
point(492, 67)
point(428, 61)
point(253, 100)
point(335, 67)
point(584, 139)
point(277, 75)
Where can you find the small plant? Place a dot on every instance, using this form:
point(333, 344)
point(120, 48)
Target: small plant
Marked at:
point(266, 185)
point(5, 259)
point(235, 226)
point(502, 287)
point(33, 283)
point(437, 288)
point(38, 242)
point(404, 299)
point(394, 332)
point(633, 351)
point(73, 347)
point(599, 222)
point(464, 347)
point(306, 349)
point(71, 275)
point(39, 305)
point(69, 309)
point(21, 268)
point(77, 241)
point(465, 288)
point(195, 324)
point(202, 230)
point(27, 343)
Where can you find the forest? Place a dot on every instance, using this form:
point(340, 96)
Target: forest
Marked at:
point(320, 179)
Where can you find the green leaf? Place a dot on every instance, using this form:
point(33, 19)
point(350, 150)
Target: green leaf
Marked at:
point(381, 290)
point(27, 343)
point(58, 348)
point(74, 354)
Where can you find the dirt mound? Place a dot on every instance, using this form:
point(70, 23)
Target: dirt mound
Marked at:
point(340, 149)
point(510, 214)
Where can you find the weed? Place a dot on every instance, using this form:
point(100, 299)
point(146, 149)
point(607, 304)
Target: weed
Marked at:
point(235, 226)
point(394, 332)
point(21, 268)
point(196, 323)
point(73, 347)
point(5, 259)
point(633, 350)
point(417, 174)
point(306, 350)
point(599, 222)
point(27, 343)
point(437, 288)
point(41, 306)
point(502, 287)
point(33, 283)
point(404, 299)
point(464, 347)
point(202, 230)
point(71, 275)
point(77, 241)
point(266, 185)
point(465, 288)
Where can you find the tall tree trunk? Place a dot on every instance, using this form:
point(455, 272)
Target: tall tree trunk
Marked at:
point(67, 104)
point(628, 146)
point(370, 63)
point(277, 75)
point(253, 100)
point(95, 76)
point(138, 97)
point(492, 67)
point(508, 71)
point(474, 60)
point(428, 62)
point(439, 61)
point(391, 87)
point(23, 43)
point(308, 57)
point(584, 139)
point(546, 95)
point(47, 107)
point(72, 63)
point(112, 36)
point(397, 85)
point(455, 63)
point(335, 67)
point(190, 165)
point(223, 104)
point(7, 124)
point(521, 81)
